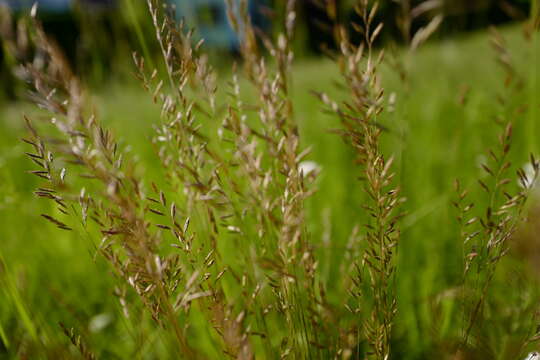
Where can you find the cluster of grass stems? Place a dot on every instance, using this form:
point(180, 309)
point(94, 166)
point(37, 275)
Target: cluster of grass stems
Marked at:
point(216, 250)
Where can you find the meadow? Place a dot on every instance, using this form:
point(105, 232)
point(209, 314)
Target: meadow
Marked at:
point(442, 113)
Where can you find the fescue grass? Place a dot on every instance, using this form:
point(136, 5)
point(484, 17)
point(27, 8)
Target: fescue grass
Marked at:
point(439, 130)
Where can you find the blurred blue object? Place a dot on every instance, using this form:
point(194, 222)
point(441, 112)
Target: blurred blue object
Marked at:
point(209, 18)
point(57, 6)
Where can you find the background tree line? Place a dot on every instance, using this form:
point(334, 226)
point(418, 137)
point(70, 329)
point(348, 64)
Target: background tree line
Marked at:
point(96, 34)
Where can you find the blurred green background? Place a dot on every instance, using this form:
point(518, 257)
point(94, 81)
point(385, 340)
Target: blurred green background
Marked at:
point(440, 127)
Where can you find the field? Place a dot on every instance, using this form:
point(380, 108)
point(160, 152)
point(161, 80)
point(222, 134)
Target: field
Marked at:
point(439, 126)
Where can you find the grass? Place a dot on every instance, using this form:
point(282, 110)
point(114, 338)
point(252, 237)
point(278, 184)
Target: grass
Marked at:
point(49, 276)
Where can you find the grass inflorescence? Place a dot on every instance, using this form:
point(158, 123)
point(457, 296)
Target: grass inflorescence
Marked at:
point(213, 254)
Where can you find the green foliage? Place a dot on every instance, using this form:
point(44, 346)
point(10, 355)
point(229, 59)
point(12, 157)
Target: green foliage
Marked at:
point(438, 124)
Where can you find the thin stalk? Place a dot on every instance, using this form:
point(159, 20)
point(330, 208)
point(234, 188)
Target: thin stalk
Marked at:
point(138, 31)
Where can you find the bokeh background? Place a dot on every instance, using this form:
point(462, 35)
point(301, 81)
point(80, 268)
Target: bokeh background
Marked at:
point(446, 97)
